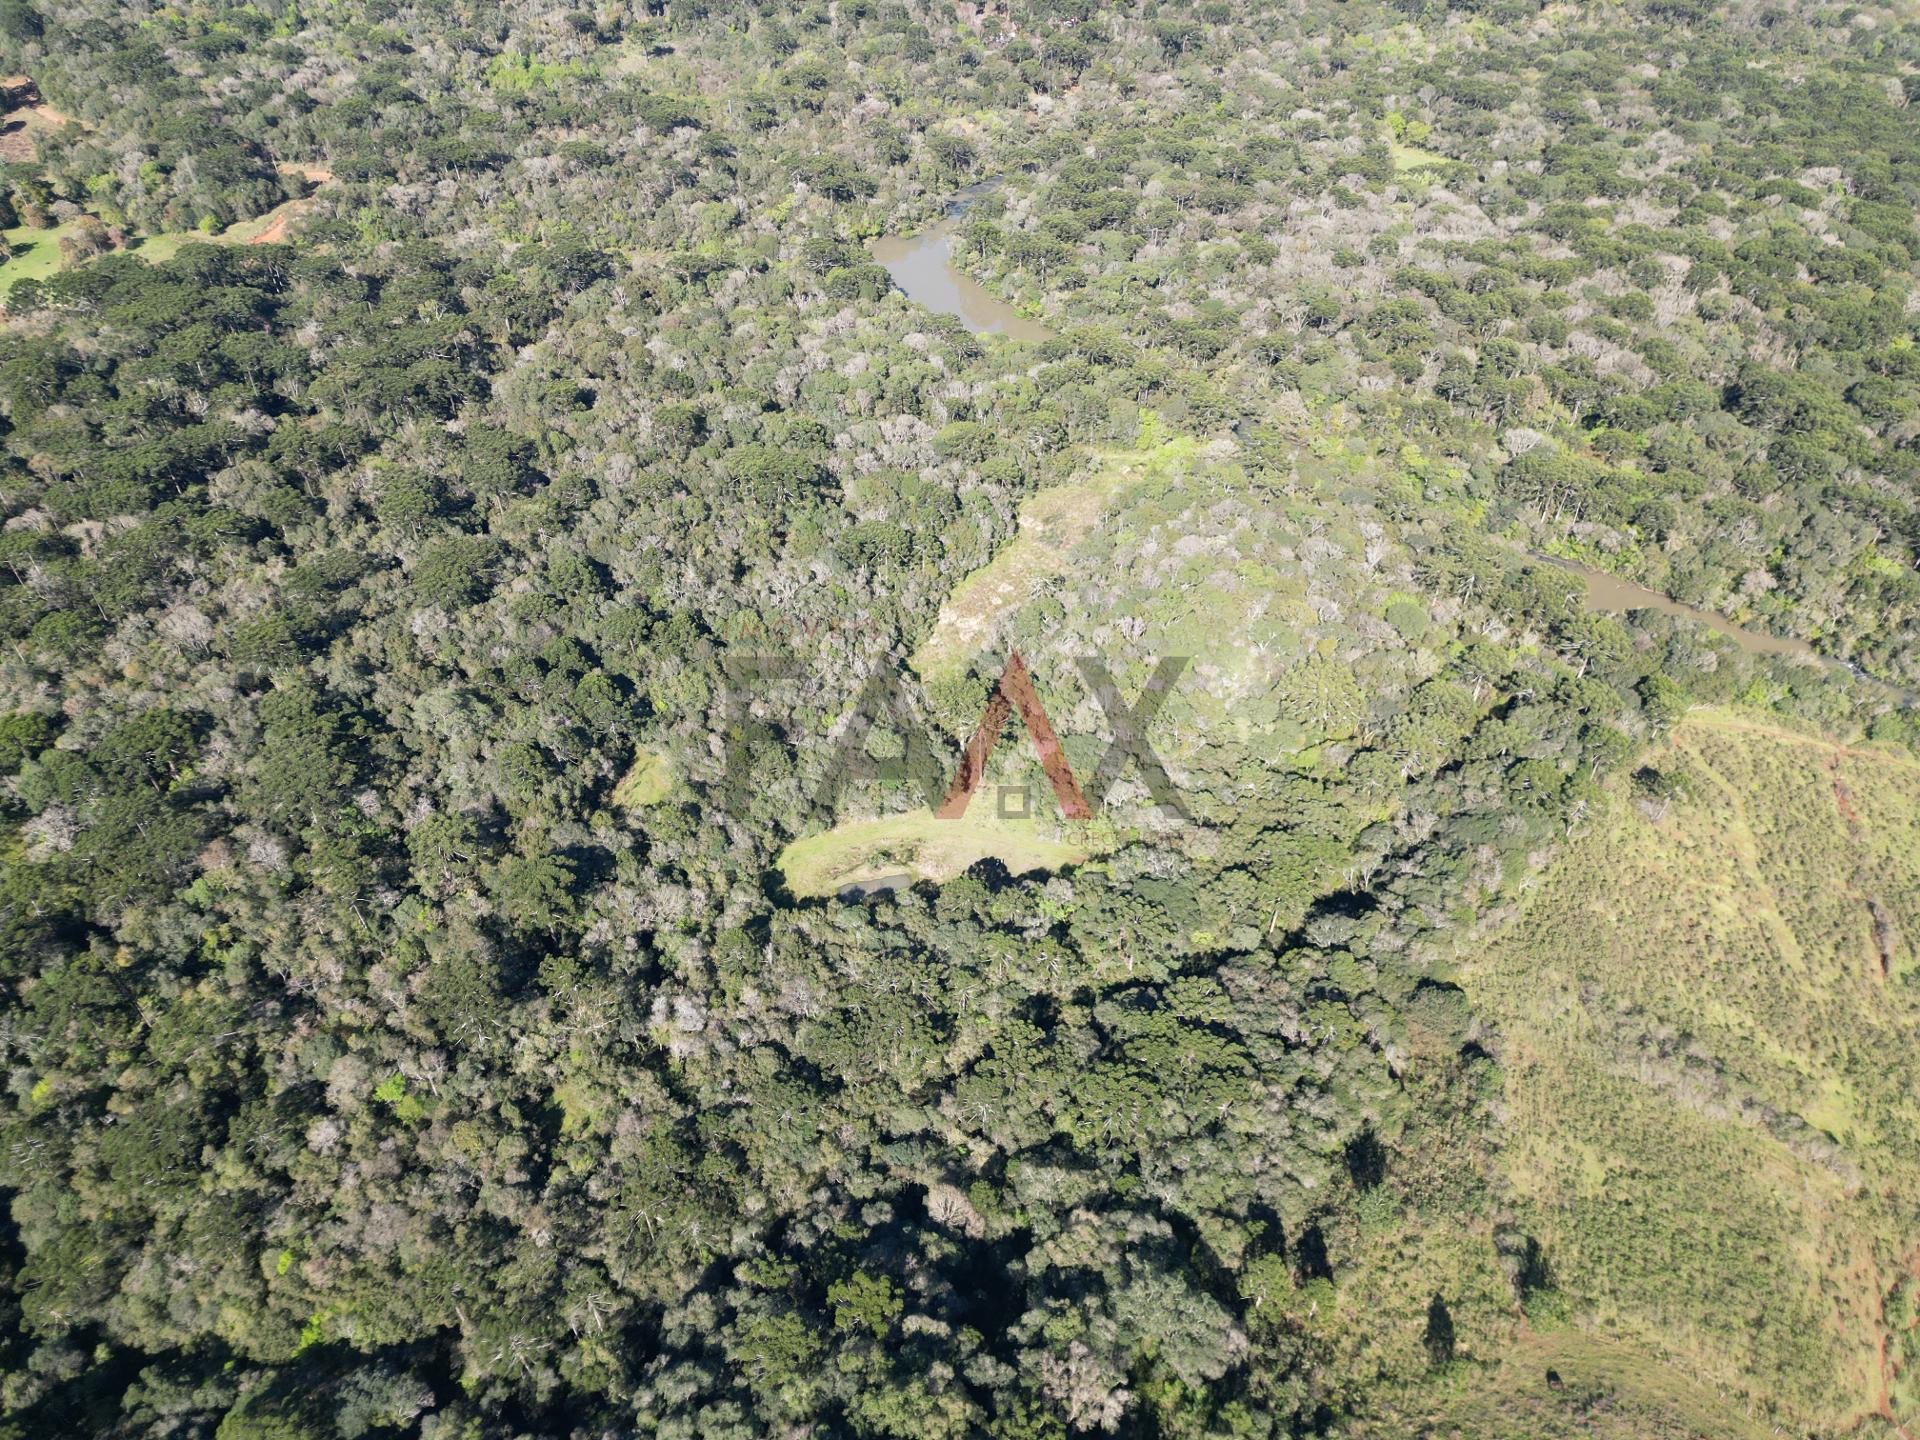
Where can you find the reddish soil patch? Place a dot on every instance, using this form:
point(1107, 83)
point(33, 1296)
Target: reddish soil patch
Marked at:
point(318, 176)
point(21, 93)
point(1842, 796)
point(275, 233)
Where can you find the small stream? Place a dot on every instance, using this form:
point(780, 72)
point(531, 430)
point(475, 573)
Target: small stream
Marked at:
point(922, 266)
point(1611, 595)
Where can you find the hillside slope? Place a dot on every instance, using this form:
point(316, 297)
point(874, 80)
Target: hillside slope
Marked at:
point(1709, 1010)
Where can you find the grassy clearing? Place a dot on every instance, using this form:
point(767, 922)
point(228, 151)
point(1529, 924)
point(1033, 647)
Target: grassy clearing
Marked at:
point(270, 228)
point(920, 844)
point(1052, 523)
point(36, 254)
point(1412, 157)
point(648, 781)
point(22, 129)
point(1712, 1075)
point(1054, 526)
point(154, 249)
point(1607, 1391)
point(1173, 549)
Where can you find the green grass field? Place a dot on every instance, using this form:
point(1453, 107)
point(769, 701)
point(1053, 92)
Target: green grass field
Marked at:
point(1605, 1391)
point(926, 847)
point(1709, 1021)
point(648, 781)
point(1412, 157)
point(36, 253)
point(272, 225)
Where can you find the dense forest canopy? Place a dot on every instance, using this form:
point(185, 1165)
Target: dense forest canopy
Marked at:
point(412, 418)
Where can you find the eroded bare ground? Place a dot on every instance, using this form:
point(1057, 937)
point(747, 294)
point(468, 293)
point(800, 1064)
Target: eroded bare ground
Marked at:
point(23, 117)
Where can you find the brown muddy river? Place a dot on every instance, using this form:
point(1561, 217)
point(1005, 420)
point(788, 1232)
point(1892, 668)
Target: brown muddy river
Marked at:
point(922, 266)
point(1611, 595)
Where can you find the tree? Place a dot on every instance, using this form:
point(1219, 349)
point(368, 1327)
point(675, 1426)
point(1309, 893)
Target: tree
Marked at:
point(534, 893)
point(952, 154)
point(1439, 1338)
point(454, 571)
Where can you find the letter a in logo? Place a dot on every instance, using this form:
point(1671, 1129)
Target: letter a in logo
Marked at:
point(1014, 692)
